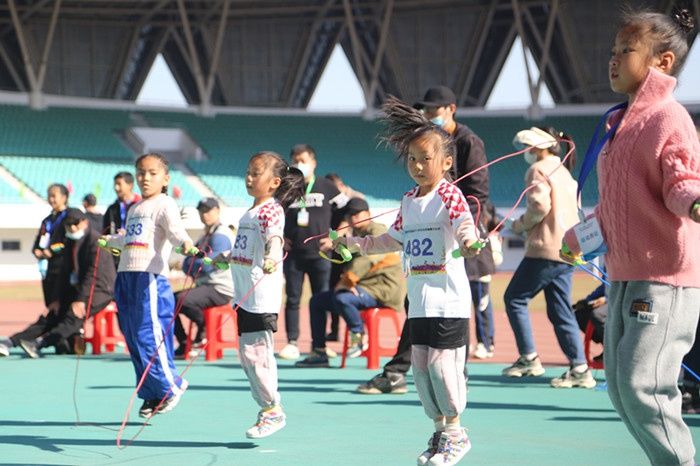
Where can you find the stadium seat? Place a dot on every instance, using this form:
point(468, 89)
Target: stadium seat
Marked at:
point(372, 318)
point(105, 330)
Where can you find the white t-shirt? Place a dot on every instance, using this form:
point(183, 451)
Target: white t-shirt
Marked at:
point(426, 226)
point(255, 229)
point(152, 226)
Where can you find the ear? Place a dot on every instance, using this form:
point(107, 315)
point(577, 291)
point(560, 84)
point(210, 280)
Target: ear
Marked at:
point(447, 163)
point(665, 62)
point(275, 183)
point(452, 108)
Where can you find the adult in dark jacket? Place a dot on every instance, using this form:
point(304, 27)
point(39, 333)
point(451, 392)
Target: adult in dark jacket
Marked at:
point(73, 290)
point(115, 216)
point(307, 217)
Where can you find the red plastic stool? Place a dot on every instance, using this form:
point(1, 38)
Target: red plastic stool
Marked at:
point(372, 318)
point(587, 348)
point(105, 330)
point(214, 318)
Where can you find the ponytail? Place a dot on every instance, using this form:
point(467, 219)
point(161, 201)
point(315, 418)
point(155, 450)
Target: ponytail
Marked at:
point(561, 138)
point(291, 187)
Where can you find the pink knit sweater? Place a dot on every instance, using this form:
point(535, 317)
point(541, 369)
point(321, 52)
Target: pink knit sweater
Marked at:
point(649, 177)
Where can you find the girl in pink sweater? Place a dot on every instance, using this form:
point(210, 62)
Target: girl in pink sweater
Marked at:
point(649, 183)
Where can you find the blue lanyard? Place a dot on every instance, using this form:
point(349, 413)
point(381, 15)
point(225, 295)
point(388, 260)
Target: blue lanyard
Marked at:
point(49, 224)
point(596, 145)
point(122, 213)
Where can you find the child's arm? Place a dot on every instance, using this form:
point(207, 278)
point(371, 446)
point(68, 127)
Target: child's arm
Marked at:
point(680, 163)
point(539, 202)
point(271, 222)
point(174, 228)
point(370, 244)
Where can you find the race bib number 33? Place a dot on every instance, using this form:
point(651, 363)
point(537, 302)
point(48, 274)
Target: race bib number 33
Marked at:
point(138, 232)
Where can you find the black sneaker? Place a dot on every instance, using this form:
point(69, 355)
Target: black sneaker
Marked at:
point(390, 383)
point(333, 336)
point(315, 359)
point(179, 352)
point(31, 348)
point(148, 407)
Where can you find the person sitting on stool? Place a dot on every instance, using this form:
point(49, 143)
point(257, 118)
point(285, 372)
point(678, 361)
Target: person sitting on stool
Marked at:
point(368, 281)
point(214, 287)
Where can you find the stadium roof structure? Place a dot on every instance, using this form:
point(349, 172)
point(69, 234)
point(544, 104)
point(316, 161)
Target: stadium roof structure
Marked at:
point(271, 53)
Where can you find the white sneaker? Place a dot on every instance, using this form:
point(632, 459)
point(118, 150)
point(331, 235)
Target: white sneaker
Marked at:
point(451, 449)
point(433, 443)
point(268, 423)
point(330, 353)
point(572, 378)
point(4, 350)
point(290, 351)
point(481, 352)
point(170, 403)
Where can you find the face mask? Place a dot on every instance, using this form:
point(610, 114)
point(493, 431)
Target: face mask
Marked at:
point(75, 236)
point(304, 168)
point(438, 121)
point(530, 158)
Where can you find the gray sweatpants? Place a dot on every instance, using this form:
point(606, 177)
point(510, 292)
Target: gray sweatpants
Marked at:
point(650, 327)
point(439, 378)
point(257, 357)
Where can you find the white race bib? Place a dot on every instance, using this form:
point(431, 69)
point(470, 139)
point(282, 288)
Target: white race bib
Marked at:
point(139, 232)
point(424, 249)
point(590, 239)
point(243, 251)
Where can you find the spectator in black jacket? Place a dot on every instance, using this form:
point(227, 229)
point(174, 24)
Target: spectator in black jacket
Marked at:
point(94, 217)
point(115, 216)
point(307, 217)
point(61, 326)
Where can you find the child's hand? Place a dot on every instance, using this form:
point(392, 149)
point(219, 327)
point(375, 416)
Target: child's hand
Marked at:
point(468, 251)
point(695, 212)
point(269, 266)
point(325, 244)
point(222, 257)
point(188, 249)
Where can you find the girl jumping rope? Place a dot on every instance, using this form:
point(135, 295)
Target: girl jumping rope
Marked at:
point(648, 214)
point(434, 220)
point(257, 280)
point(144, 298)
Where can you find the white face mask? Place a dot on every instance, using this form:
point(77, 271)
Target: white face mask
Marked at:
point(530, 158)
point(78, 235)
point(304, 168)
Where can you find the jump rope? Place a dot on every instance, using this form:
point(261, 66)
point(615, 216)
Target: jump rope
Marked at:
point(346, 256)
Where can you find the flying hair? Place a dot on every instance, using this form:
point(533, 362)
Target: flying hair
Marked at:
point(404, 124)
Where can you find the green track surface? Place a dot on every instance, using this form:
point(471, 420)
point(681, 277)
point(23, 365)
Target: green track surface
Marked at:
point(511, 422)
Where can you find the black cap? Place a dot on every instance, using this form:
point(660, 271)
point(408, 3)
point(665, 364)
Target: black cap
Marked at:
point(355, 205)
point(438, 96)
point(73, 216)
point(206, 204)
point(90, 199)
